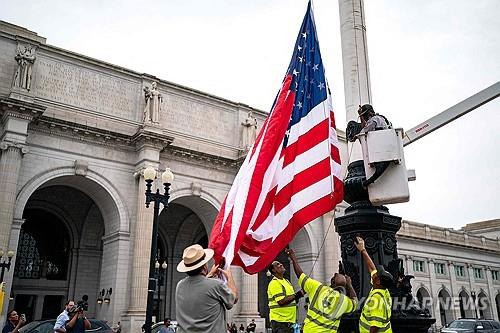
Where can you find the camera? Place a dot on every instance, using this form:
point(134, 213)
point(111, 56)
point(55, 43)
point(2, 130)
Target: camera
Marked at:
point(83, 304)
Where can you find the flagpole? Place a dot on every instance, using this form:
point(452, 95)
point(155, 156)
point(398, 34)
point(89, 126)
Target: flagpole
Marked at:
point(357, 90)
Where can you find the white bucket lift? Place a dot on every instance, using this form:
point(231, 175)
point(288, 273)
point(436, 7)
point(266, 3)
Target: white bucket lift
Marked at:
point(386, 146)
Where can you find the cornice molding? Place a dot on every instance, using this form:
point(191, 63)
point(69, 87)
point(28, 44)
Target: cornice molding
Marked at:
point(66, 129)
point(202, 159)
point(151, 136)
point(15, 108)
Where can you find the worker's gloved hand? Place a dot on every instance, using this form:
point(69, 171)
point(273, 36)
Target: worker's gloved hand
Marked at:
point(299, 294)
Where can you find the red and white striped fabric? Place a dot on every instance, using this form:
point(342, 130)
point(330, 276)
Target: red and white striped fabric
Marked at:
point(292, 174)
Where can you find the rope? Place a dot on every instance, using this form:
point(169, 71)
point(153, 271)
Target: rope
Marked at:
point(333, 217)
point(323, 242)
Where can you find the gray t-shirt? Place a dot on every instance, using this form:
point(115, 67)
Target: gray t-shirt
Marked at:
point(375, 122)
point(201, 305)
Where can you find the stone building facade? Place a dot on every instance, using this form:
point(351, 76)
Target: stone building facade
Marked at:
point(453, 269)
point(76, 134)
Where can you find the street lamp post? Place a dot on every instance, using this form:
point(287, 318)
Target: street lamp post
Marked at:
point(5, 263)
point(167, 177)
point(159, 275)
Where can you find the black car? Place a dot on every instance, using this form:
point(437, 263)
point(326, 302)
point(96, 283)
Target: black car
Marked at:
point(472, 326)
point(47, 326)
point(157, 327)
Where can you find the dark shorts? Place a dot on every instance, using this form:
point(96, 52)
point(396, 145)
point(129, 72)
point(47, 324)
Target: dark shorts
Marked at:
point(279, 327)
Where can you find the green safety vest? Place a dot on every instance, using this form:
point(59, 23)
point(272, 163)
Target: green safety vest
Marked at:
point(326, 306)
point(376, 312)
point(276, 291)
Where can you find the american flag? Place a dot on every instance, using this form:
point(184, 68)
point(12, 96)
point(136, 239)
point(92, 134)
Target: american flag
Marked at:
point(292, 173)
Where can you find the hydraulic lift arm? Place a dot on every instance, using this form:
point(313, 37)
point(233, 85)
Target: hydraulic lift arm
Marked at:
point(452, 113)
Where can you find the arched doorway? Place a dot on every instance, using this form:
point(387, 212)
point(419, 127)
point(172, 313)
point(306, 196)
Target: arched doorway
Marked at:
point(445, 307)
point(466, 305)
point(497, 300)
point(60, 242)
point(187, 221)
point(424, 299)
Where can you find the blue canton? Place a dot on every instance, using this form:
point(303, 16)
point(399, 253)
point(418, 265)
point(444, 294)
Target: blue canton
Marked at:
point(308, 73)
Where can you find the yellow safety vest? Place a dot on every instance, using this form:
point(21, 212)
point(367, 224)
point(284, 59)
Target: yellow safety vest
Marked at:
point(2, 295)
point(376, 312)
point(276, 291)
point(326, 306)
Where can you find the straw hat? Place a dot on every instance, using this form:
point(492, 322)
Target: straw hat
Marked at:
point(194, 257)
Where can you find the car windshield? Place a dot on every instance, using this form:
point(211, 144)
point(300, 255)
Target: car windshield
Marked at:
point(48, 326)
point(462, 324)
point(97, 325)
point(29, 326)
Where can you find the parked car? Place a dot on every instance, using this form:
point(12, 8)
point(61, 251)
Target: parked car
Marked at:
point(472, 326)
point(47, 326)
point(157, 327)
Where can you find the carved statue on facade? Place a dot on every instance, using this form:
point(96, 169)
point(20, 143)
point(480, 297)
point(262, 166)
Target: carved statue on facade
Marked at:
point(249, 130)
point(25, 57)
point(154, 101)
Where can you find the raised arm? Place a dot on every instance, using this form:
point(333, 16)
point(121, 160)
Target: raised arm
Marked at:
point(296, 266)
point(360, 245)
point(230, 282)
point(351, 293)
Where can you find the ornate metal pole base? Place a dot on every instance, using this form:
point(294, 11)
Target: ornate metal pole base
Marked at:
point(378, 228)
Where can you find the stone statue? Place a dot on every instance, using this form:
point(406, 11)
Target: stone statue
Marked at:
point(249, 130)
point(153, 100)
point(25, 57)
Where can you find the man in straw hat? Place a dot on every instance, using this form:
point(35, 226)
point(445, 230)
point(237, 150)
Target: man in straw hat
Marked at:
point(201, 298)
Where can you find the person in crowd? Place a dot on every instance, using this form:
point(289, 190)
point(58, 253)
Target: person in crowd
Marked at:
point(328, 303)
point(78, 322)
point(167, 326)
point(202, 298)
point(282, 300)
point(117, 328)
point(13, 323)
point(59, 326)
point(371, 121)
point(251, 327)
point(376, 314)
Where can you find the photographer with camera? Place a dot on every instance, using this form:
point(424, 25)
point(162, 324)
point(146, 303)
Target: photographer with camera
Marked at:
point(14, 322)
point(77, 323)
point(63, 317)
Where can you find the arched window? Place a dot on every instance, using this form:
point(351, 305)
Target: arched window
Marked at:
point(43, 249)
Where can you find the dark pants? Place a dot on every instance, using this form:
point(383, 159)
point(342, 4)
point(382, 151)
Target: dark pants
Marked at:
point(279, 327)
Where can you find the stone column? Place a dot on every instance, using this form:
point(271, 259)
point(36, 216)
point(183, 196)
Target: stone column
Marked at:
point(149, 142)
point(357, 89)
point(142, 229)
point(455, 289)
point(491, 294)
point(433, 291)
point(409, 265)
point(8, 277)
point(248, 299)
point(15, 118)
point(10, 164)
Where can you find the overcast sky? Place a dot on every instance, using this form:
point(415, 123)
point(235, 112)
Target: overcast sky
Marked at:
point(424, 56)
